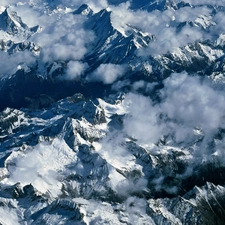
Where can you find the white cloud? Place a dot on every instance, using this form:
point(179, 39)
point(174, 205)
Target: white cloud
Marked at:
point(219, 20)
point(167, 39)
point(206, 2)
point(74, 70)
point(40, 166)
point(190, 101)
point(142, 120)
point(64, 39)
point(9, 63)
point(164, 26)
point(58, 26)
point(120, 84)
point(191, 14)
point(187, 102)
point(142, 85)
point(9, 216)
point(107, 73)
point(30, 15)
point(128, 186)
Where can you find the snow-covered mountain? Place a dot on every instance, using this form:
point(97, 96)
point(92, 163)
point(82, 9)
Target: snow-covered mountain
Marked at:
point(112, 112)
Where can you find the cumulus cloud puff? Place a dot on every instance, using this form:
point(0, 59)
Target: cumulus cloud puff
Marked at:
point(30, 15)
point(107, 73)
point(74, 70)
point(142, 120)
point(64, 39)
point(192, 101)
point(187, 102)
point(169, 40)
point(9, 63)
point(129, 186)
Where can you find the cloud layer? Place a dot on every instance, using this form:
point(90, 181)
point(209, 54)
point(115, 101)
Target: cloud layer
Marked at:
point(187, 103)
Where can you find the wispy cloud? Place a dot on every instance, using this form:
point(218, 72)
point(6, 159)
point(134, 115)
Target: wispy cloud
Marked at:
point(74, 70)
point(9, 63)
point(107, 73)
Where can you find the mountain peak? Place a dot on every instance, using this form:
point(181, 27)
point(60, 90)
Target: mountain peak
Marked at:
point(10, 22)
point(160, 5)
point(163, 5)
point(84, 10)
point(13, 29)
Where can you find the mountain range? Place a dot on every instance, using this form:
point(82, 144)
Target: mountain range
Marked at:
point(112, 112)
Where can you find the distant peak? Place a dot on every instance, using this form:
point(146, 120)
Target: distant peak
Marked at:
point(84, 10)
point(11, 17)
point(5, 12)
point(105, 13)
point(2, 9)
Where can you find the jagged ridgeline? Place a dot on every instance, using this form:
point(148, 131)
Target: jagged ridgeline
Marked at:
point(112, 112)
